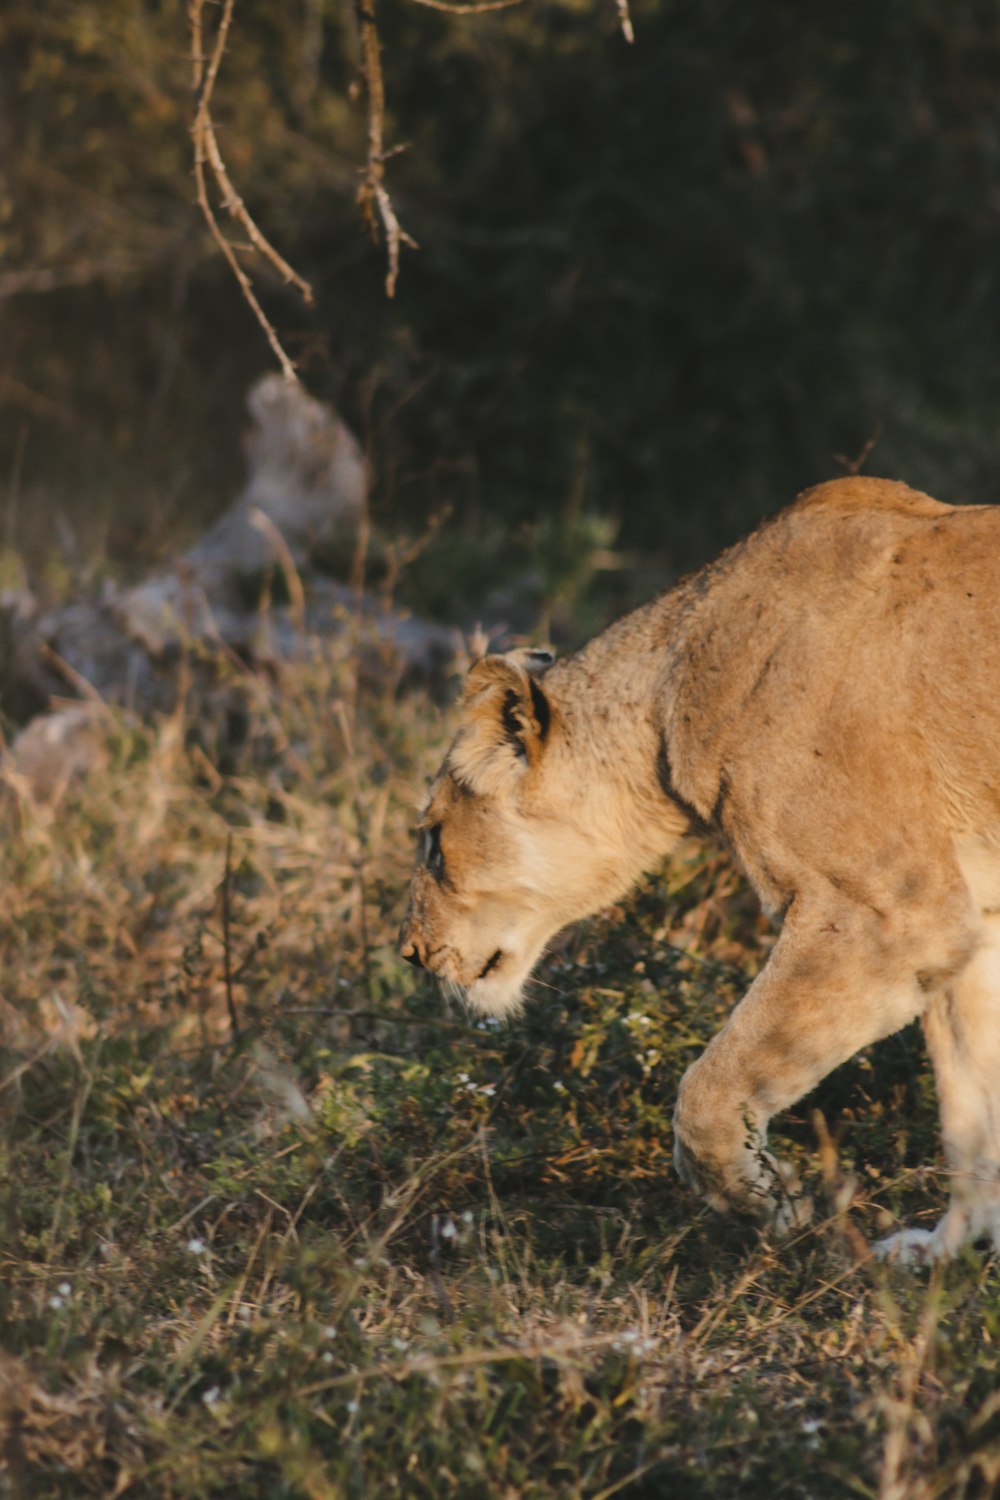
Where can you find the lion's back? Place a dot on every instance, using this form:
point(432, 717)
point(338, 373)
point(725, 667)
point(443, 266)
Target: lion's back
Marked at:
point(865, 493)
point(876, 555)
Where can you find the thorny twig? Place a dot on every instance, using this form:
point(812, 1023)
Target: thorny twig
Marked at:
point(207, 153)
point(373, 193)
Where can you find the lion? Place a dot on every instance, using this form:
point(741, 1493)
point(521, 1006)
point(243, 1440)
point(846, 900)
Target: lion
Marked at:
point(825, 699)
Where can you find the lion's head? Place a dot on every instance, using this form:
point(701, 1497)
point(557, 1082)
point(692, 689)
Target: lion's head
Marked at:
point(521, 834)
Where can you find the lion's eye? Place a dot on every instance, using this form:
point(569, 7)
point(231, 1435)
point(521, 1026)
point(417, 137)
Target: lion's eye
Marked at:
point(433, 853)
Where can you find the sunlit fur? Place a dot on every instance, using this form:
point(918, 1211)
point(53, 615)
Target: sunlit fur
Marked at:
point(826, 699)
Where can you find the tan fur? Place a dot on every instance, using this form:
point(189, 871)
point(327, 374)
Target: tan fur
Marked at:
point(826, 698)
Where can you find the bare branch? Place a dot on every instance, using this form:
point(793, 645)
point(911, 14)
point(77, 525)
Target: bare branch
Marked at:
point(207, 153)
point(232, 201)
point(81, 273)
point(373, 192)
point(624, 19)
point(469, 10)
point(855, 465)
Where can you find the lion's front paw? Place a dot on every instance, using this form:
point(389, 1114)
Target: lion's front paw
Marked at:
point(761, 1186)
point(912, 1247)
point(788, 1205)
point(792, 1208)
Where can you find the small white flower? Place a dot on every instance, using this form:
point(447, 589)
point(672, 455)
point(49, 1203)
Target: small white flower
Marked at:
point(447, 1231)
point(400, 1345)
point(196, 1245)
point(488, 1088)
point(330, 1332)
point(468, 1216)
point(55, 1303)
point(559, 1086)
point(65, 1290)
point(463, 1077)
point(327, 1358)
point(353, 1406)
point(212, 1396)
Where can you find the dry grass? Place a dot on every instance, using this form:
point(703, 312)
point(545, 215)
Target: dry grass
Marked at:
point(369, 1247)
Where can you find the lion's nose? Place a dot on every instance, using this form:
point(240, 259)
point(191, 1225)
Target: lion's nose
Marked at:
point(411, 952)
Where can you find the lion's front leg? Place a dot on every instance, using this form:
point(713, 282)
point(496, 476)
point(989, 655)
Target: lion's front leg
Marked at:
point(962, 1027)
point(835, 982)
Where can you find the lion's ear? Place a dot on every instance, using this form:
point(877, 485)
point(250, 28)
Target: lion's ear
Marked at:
point(536, 660)
point(505, 722)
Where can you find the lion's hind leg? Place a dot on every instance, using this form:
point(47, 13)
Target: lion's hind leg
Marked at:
point(962, 1027)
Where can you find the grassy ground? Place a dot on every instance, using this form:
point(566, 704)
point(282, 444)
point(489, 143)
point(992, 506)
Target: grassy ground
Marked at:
point(362, 1245)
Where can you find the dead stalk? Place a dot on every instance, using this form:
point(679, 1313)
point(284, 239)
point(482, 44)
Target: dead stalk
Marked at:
point(227, 951)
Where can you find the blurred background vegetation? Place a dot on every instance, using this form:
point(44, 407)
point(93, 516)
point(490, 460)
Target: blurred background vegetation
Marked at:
point(659, 289)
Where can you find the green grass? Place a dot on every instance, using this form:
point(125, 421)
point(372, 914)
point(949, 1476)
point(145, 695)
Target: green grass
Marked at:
point(369, 1246)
